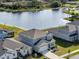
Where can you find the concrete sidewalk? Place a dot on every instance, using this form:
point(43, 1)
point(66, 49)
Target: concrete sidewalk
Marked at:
point(69, 53)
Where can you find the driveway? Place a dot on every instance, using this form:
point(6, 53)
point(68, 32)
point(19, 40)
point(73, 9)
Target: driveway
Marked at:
point(51, 55)
point(75, 57)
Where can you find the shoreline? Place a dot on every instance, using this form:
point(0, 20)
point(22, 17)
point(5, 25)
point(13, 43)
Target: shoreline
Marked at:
point(8, 27)
point(26, 10)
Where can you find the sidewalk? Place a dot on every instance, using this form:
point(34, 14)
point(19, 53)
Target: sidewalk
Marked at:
point(69, 53)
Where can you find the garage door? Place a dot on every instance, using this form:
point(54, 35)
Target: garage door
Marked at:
point(43, 48)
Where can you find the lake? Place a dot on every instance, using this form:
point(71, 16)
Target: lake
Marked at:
point(40, 20)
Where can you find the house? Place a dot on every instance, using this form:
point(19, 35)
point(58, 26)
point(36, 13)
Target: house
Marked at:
point(69, 33)
point(18, 47)
point(6, 34)
point(5, 53)
point(39, 40)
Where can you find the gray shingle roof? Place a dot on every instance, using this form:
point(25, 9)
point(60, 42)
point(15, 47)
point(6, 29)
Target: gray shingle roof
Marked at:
point(63, 30)
point(34, 33)
point(13, 44)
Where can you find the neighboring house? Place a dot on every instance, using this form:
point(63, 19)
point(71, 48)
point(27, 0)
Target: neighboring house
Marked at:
point(5, 53)
point(18, 47)
point(69, 33)
point(39, 40)
point(6, 34)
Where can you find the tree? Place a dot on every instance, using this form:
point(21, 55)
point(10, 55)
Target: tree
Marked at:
point(55, 4)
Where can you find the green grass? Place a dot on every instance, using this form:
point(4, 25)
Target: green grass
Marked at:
point(69, 5)
point(52, 28)
point(71, 19)
point(31, 57)
point(64, 47)
point(72, 12)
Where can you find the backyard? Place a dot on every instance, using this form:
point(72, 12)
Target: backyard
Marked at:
point(64, 47)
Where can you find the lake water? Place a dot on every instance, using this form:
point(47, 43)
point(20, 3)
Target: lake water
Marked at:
point(39, 20)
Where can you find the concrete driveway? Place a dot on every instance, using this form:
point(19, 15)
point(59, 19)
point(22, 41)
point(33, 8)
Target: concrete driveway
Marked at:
point(51, 55)
point(75, 57)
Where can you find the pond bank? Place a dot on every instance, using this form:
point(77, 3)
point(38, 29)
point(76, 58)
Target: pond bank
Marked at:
point(19, 10)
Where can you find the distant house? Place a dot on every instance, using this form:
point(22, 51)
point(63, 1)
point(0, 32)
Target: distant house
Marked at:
point(19, 48)
point(39, 40)
point(6, 34)
point(69, 33)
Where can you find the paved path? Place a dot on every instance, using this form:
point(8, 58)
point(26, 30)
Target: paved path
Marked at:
point(69, 53)
point(51, 55)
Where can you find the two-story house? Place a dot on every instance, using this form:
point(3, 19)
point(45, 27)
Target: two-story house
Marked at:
point(39, 40)
point(69, 33)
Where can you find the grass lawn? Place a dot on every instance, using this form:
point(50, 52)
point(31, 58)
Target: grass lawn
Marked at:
point(64, 47)
point(31, 57)
point(69, 5)
point(15, 29)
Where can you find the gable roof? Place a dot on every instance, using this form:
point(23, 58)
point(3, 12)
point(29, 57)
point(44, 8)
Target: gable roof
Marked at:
point(34, 33)
point(13, 44)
